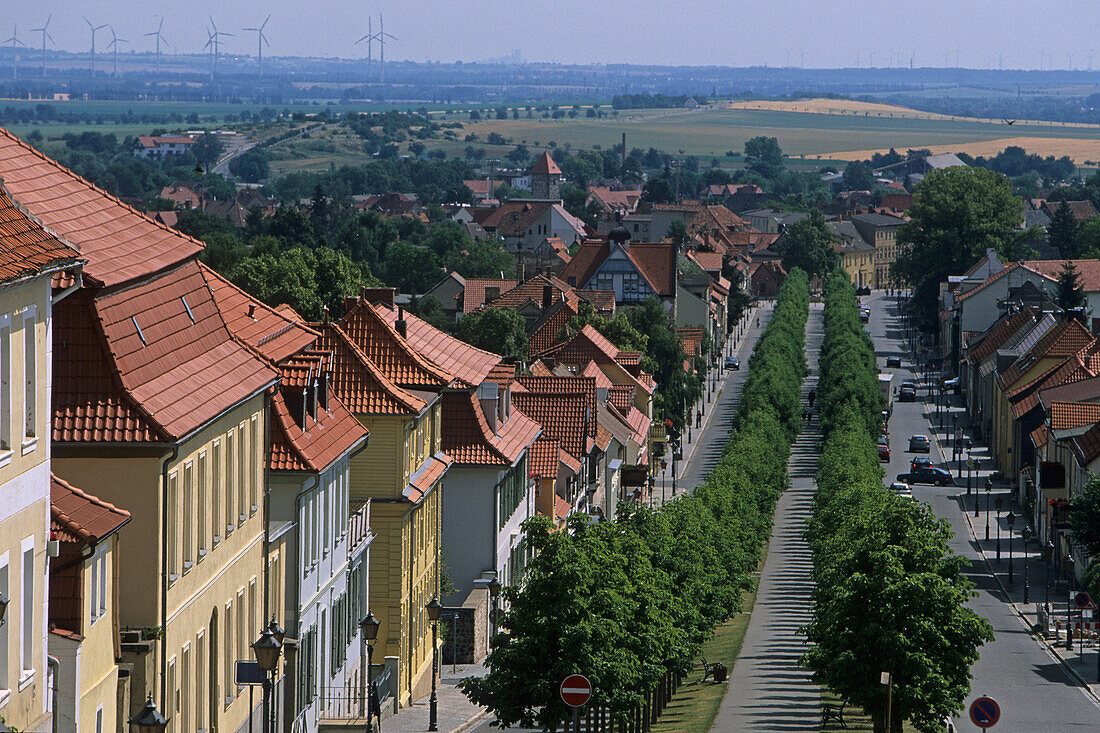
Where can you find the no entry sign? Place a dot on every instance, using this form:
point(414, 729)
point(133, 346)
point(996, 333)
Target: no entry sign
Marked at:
point(576, 690)
point(985, 712)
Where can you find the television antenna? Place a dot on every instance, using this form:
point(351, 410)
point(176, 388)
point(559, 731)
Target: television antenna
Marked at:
point(261, 39)
point(214, 42)
point(45, 34)
point(369, 38)
point(159, 38)
point(14, 41)
point(115, 40)
point(93, 28)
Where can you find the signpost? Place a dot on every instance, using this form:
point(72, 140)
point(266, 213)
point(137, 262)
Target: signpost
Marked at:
point(576, 690)
point(985, 712)
point(1083, 602)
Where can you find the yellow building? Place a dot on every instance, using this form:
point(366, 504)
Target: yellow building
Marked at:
point(84, 610)
point(29, 259)
point(881, 231)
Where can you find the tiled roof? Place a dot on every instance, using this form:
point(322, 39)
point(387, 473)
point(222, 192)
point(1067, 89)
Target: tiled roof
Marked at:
point(562, 417)
point(317, 444)
point(601, 300)
point(1087, 269)
point(611, 200)
point(503, 374)
point(692, 340)
point(1084, 390)
point(562, 508)
point(513, 218)
point(468, 438)
point(426, 476)
point(545, 166)
point(1000, 333)
point(473, 294)
point(539, 369)
point(1066, 338)
point(656, 262)
point(389, 351)
point(1086, 447)
point(25, 247)
point(149, 363)
point(1081, 366)
point(544, 332)
point(1039, 436)
point(629, 358)
point(711, 261)
point(542, 458)
point(585, 386)
point(358, 383)
point(471, 366)
point(119, 243)
point(77, 516)
point(531, 290)
point(591, 370)
point(987, 282)
point(585, 345)
point(1070, 415)
point(622, 397)
point(277, 333)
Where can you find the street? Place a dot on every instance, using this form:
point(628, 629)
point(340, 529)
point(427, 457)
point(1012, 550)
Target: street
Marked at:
point(1034, 690)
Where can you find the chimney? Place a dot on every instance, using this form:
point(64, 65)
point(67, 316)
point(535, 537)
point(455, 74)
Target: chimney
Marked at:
point(251, 310)
point(400, 326)
point(379, 295)
point(322, 390)
point(488, 395)
point(547, 296)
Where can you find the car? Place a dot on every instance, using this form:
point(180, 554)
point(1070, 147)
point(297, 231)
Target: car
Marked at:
point(865, 290)
point(864, 315)
point(732, 362)
point(920, 462)
point(927, 475)
point(893, 361)
point(902, 489)
point(883, 450)
point(920, 444)
point(907, 392)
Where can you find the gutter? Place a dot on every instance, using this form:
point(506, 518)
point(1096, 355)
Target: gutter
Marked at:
point(164, 575)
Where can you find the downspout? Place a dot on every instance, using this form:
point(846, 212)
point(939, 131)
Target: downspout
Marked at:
point(298, 590)
point(53, 663)
point(267, 502)
point(164, 576)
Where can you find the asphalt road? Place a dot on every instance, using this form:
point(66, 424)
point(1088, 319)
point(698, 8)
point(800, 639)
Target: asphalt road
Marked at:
point(1034, 690)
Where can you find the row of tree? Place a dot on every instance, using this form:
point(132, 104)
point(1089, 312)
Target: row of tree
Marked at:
point(629, 602)
point(889, 594)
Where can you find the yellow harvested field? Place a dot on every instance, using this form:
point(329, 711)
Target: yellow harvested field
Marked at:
point(1077, 149)
point(823, 106)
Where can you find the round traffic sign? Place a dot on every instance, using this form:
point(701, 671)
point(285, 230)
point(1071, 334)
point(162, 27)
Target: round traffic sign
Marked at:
point(1081, 600)
point(985, 712)
point(576, 690)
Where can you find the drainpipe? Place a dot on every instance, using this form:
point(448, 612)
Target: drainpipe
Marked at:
point(53, 663)
point(164, 576)
point(266, 514)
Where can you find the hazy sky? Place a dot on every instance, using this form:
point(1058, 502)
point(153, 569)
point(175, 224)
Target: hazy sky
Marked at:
point(688, 32)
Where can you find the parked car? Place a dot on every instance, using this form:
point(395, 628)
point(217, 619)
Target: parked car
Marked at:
point(865, 290)
point(732, 362)
point(920, 462)
point(902, 489)
point(927, 475)
point(920, 444)
point(907, 392)
point(893, 361)
point(883, 450)
point(864, 315)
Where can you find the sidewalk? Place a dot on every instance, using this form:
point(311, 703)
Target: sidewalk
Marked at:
point(455, 712)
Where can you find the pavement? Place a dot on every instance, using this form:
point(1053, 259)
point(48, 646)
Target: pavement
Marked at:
point(1037, 685)
point(455, 712)
point(768, 690)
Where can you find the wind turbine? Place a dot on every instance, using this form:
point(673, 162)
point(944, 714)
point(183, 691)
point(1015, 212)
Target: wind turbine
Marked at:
point(45, 34)
point(261, 39)
point(14, 41)
point(381, 37)
point(214, 40)
point(159, 38)
point(93, 28)
point(369, 38)
point(115, 40)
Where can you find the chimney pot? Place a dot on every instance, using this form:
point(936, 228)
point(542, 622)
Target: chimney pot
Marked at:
point(251, 310)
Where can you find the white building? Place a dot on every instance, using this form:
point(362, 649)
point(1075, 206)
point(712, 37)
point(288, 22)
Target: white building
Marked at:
point(161, 147)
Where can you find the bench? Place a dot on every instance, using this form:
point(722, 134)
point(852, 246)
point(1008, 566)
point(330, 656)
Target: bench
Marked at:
point(717, 671)
point(833, 712)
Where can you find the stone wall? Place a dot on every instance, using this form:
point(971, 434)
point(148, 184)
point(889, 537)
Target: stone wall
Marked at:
point(465, 639)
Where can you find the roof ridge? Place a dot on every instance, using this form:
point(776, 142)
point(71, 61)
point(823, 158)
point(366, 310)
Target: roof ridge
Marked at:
point(396, 392)
point(402, 343)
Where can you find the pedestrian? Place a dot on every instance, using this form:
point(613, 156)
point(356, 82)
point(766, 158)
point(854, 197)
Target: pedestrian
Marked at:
point(812, 397)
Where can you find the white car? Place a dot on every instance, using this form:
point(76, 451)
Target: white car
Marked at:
point(902, 489)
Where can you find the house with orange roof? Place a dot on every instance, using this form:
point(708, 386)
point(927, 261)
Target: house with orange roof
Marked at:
point(524, 223)
point(161, 147)
point(31, 258)
point(83, 608)
point(157, 407)
point(615, 201)
point(633, 272)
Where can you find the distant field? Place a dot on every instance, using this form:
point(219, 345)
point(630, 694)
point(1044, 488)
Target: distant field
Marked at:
point(1083, 152)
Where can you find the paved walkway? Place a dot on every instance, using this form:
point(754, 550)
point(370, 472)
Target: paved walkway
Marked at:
point(768, 691)
point(456, 713)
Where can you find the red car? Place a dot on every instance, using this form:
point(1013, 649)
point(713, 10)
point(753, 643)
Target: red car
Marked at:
point(883, 451)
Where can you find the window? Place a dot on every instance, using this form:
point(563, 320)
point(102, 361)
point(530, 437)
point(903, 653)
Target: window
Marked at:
point(200, 482)
point(173, 526)
point(5, 383)
point(99, 719)
point(29, 598)
point(231, 482)
point(255, 462)
point(5, 682)
point(217, 486)
point(511, 490)
point(328, 488)
point(230, 665)
point(98, 599)
point(185, 692)
point(30, 372)
point(188, 515)
point(242, 473)
point(242, 633)
point(173, 694)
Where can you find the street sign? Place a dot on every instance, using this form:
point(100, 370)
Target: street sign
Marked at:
point(249, 673)
point(985, 712)
point(576, 690)
point(1082, 600)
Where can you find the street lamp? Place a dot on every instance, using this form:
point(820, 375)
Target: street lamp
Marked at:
point(494, 593)
point(149, 720)
point(1068, 565)
point(434, 608)
point(1026, 534)
point(1011, 519)
point(998, 502)
point(267, 649)
point(368, 628)
point(277, 631)
point(969, 469)
point(988, 488)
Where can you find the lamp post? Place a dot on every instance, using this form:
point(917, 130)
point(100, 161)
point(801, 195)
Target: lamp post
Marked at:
point(988, 488)
point(1026, 534)
point(664, 465)
point(368, 632)
point(1050, 564)
point(267, 649)
point(494, 593)
point(998, 502)
point(969, 469)
point(149, 720)
point(1068, 565)
point(955, 443)
point(1011, 519)
point(434, 608)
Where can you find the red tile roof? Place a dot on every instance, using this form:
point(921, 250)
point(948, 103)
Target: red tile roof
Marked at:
point(1070, 415)
point(1087, 269)
point(692, 340)
point(562, 508)
point(562, 417)
point(542, 458)
point(25, 247)
point(999, 333)
point(1086, 447)
point(468, 438)
point(1039, 436)
point(77, 516)
point(277, 333)
point(545, 166)
point(473, 294)
point(531, 291)
point(119, 243)
point(655, 262)
point(317, 444)
point(471, 366)
point(358, 383)
point(546, 330)
point(1066, 338)
point(427, 476)
point(591, 370)
point(390, 352)
point(621, 396)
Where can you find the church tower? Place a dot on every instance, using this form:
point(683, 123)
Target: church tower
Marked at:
point(546, 179)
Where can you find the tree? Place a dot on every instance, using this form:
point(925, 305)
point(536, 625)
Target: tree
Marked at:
point(658, 191)
point(223, 252)
point(207, 149)
point(677, 232)
point(318, 212)
point(763, 156)
point(410, 268)
point(251, 166)
point(1063, 231)
point(1088, 239)
point(499, 330)
point(858, 176)
point(1084, 517)
point(957, 214)
point(1071, 295)
point(482, 259)
point(309, 280)
point(617, 329)
point(807, 244)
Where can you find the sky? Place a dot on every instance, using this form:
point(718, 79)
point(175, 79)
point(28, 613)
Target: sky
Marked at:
point(1010, 34)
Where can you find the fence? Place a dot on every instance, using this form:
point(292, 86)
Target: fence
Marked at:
point(597, 718)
